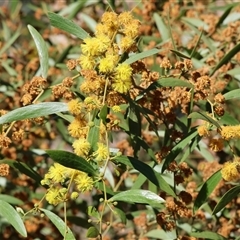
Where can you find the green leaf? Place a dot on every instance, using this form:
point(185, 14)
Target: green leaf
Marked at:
point(179, 148)
point(191, 147)
point(67, 25)
point(92, 211)
point(226, 58)
point(72, 9)
point(93, 135)
point(195, 47)
point(228, 119)
point(148, 172)
point(138, 56)
point(138, 196)
point(207, 189)
point(226, 198)
point(33, 111)
point(182, 55)
point(11, 199)
point(207, 235)
point(225, 14)
point(163, 30)
point(90, 22)
point(156, 233)
point(76, 8)
point(10, 41)
point(23, 168)
point(173, 82)
point(206, 39)
point(202, 115)
point(92, 232)
point(42, 50)
point(60, 224)
point(234, 16)
point(232, 94)
point(12, 216)
point(79, 221)
point(71, 160)
point(234, 71)
point(121, 214)
point(196, 22)
point(103, 113)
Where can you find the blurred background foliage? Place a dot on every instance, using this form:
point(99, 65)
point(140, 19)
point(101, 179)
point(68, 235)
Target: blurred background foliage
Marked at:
point(205, 31)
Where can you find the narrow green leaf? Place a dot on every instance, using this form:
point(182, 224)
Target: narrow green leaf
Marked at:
point(148, 172)
point(11, 199)
point(121, 214)
point(234, 71)
point(72, 9)
point(92, 232)
point(207, 235)
point(141, 179)
point(191, 147)
point(108, 190)
point(79, 221)
point(12, 216)
point(226, 58)
point(77, 8)
point(224, 15)
point(90, 22)
point(207, 189)
point(232, 94)
point(60, 224)
point(173, 82)
point(234, 16)
point(196, 22)
point(180, 54)
point(33, 111)
point(71, 160)
point(23, 168)
point(202, 115)
point(141, 55)
point(9, 43)
point(103, 113)
point(179, 148)
point(226, 198)
point(42, 50)
point(206, 39)
point(92, 211)
point(156, 233)
point(138, 196)
point(195, 47)
point(67, 25)
point(228, 119)
point(163, 30)
point(93, 135)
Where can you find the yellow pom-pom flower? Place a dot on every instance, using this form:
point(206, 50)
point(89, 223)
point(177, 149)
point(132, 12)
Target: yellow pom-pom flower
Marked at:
point(107, 64)
point(78, 127)
point(122, 81)
point(231, 170)
point(102, 152)
point(52, 196)
point(93, 47)
point(83, 182)
point(230, 132)
point(74, 106)
point(81, 147)
point(56, 173)
point(87, 62)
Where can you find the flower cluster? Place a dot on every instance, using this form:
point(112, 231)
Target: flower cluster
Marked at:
point(231, 170)
point(59, 175)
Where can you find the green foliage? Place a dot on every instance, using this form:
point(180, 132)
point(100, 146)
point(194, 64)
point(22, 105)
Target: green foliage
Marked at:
point(12, 216)
point(151, 100)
